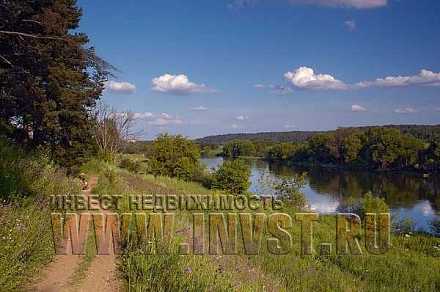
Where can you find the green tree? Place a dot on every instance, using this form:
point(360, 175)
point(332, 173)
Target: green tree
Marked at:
point(282, 151)
point(239, 148)
point(351, 147)
point(387, 148)
point(320, 148)
point(49, 79)
point(232, 176)
point(174, 156)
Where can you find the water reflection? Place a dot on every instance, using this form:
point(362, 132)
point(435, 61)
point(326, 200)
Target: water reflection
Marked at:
point(409, 196)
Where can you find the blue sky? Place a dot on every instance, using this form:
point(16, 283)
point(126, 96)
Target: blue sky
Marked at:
point(203, 67)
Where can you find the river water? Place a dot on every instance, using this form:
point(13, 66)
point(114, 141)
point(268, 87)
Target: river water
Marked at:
point(409, 196)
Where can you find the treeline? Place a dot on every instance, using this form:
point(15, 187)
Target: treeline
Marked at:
point(374, 148)
point(419, 131)
point(291, 136)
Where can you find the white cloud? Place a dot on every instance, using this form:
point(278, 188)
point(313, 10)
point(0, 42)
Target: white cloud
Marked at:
point(425, 77)
point(241, 118)
point(350, 25)
point(405, 110)
point(154, 119)
point(276, 89)
point(200, 108)
point(120, 87)
point(142, 116)
point(177, 84)
point(164, 119)
point(358, 108)
point(358, 4)
point(289, 126)
point(305, 78)
point(234, 126)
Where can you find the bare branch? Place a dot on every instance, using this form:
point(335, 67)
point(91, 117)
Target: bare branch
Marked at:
point(32, 21)
point(6, 60)
point(22, 34)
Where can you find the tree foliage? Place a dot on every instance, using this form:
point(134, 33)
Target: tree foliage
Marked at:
point(232, 176)
point(174, 156)
point(239, 148)
point(49, 79)
point(375, 148)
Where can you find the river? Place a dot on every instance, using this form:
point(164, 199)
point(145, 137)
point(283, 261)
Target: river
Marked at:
point(409, 196)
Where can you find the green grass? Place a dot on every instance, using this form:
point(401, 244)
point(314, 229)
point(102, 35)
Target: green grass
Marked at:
point(412, 264)
point(25, 226)
point(171, 271)
point(25, 243)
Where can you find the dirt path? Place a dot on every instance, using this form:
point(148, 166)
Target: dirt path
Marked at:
point(101, 274)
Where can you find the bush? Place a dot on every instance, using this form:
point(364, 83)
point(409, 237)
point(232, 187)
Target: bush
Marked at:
point(232, 176)
point(31, 175)
point(174, 156)
point(26, 182)
point(287, 189)
point(372, 204)
point(362, 206)
point(130, 165)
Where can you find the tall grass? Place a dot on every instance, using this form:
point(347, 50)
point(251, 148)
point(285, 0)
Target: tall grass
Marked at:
point(26, 182)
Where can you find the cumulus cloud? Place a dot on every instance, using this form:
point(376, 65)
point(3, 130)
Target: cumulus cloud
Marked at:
point(306, 78)
point(120, 87)
point(200, 108)
point(425, 77)
point(164, 119)
point(405, 110)
point(274, 88)
point(358, 108)
point(241, 118)
point(358, 4)
point(177, 84)
point(142, 116)
point(155, 119)
point(350, 25)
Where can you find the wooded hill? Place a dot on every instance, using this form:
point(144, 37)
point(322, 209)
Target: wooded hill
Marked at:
point(425, 132)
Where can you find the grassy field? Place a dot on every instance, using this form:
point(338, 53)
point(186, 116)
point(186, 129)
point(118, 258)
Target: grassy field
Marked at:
point(25, 230)
point(410, 265)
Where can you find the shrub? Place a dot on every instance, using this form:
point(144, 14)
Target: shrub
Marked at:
point(232, 176)
point(372, 204)
point(362, 206)
point(174, 156)
point(288, 189)
point(31, 175)
point(26, 182)
point(130, 165)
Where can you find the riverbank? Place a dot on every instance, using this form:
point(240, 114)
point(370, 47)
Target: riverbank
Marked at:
point(413, 199)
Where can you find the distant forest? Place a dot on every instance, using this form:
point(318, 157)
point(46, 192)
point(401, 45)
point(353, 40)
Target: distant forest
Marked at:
point(425, 132)
point(406, 147)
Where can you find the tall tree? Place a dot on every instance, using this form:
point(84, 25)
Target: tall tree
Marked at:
point(49, 79)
